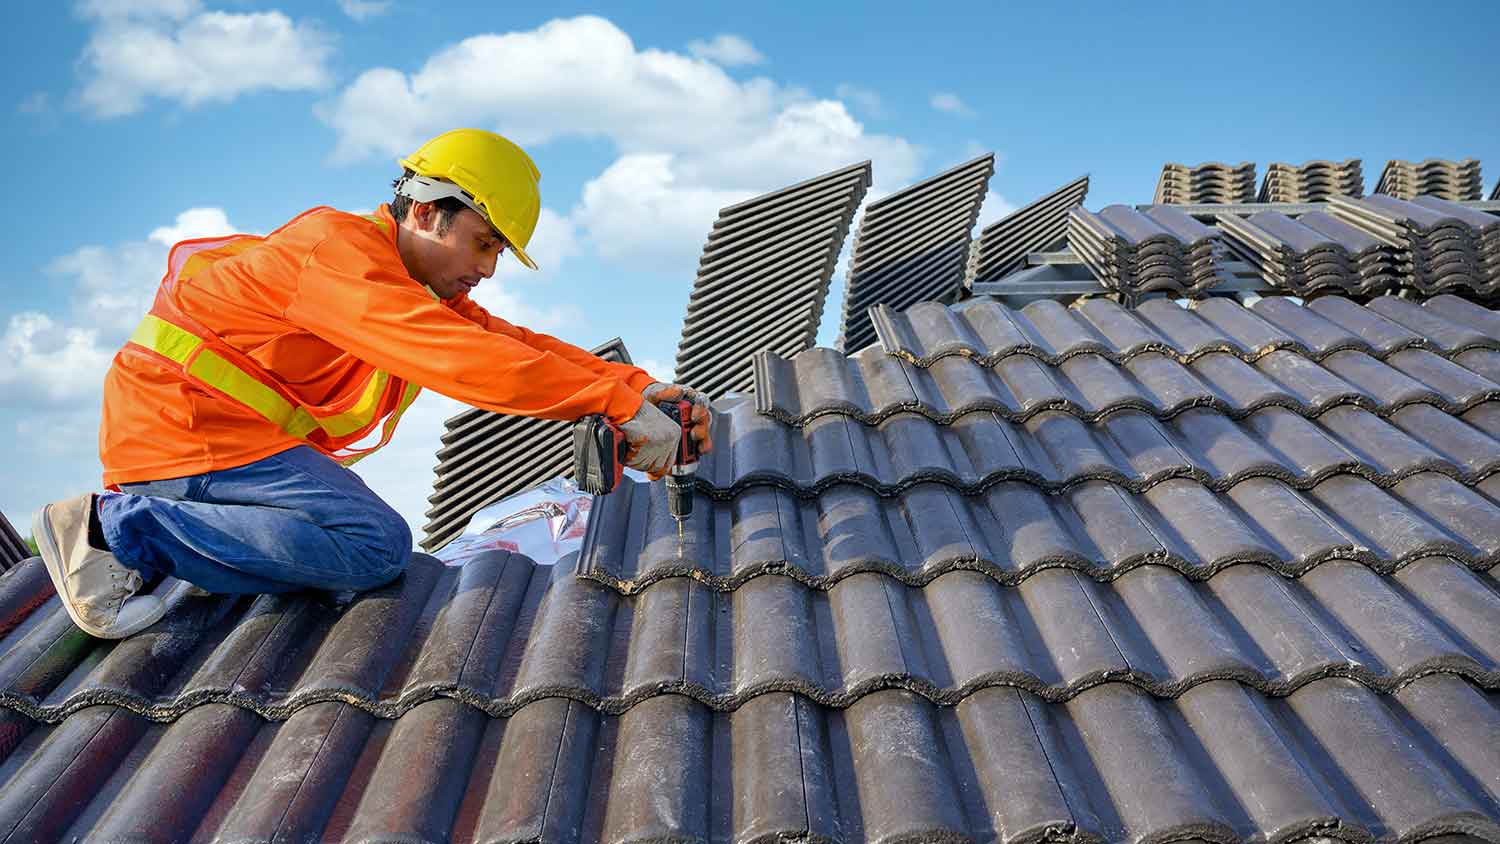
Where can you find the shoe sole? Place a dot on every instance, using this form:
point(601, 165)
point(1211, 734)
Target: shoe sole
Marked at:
point(46, 543)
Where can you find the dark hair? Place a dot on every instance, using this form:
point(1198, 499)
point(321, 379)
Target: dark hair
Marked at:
point(447, 207)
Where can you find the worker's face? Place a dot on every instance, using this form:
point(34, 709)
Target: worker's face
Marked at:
point(454, 262)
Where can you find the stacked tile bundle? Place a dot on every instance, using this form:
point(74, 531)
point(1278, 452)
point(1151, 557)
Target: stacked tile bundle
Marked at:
point(1313, 181)
point(913, 246)
point(1180, 184)
point(1312, 254)
point(1439, 245)
point(1455, 180)
point(1161, 249)
point(1076, 575)
point(1002, 246)
point(1495, 194)
point(486, 457)
point(12, 547)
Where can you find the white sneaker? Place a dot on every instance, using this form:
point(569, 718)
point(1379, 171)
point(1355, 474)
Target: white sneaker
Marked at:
point(96, 589)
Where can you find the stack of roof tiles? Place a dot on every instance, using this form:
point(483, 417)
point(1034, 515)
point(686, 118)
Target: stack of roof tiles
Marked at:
point(1452, 180)
point(1312, 254)
point(764, 276)
point(913, 246)
point(1003, 245)
point(1180, 184)
point(1313, 181)
point(487, 456)
point(13, 548)
point(1130, 251)
point(1076, 575)
point(1439, 245)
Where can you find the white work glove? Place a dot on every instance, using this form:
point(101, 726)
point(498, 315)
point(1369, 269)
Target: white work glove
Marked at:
point(700, 420)
point(652, 439)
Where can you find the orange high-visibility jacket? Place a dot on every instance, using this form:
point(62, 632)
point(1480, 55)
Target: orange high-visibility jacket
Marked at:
point(321, 314)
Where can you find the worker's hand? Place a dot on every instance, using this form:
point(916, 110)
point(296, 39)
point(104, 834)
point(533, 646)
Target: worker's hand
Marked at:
point(700, 420)
point(651, 440)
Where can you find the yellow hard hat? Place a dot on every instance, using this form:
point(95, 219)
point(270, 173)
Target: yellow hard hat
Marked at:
point(498, 180)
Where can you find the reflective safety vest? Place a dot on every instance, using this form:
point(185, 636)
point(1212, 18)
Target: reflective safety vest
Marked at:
point(203, 359)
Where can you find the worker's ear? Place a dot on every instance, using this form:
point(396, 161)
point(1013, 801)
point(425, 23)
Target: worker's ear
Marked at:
point(425, 215)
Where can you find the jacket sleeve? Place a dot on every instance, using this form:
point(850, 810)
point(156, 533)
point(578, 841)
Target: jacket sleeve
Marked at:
point(636, 378)
point(354, 293)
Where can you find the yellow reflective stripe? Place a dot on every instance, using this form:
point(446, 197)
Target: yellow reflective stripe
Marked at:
point(223, 375)
point(407, 397)
point(377, 220)
point(165, 339)
point(363, 411)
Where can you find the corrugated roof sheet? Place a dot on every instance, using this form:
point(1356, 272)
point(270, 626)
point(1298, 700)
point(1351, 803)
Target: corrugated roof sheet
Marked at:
point(12, 547)
point(1211, 182)
point(1312, 181)
point(764, 276)
point(1453, 180)
point(1082, 575)
point(913, 246)
point(1002, 246)
point(488, 456)
point(1161, 249)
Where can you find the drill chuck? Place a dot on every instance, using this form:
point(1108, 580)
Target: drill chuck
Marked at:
point(680, 491)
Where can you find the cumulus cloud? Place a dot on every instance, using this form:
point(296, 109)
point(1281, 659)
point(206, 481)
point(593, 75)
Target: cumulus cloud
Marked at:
point(174, 50)
point(690, 138)
point(363, 10)
point(995, 207)
point(637, 209)
point(951, 103)
point(867, 100)
point(727, 50)
point(113, 285)
point(48, 363)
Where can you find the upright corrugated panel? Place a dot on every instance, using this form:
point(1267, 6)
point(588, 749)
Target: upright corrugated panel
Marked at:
point(1452, 180)
point(913, 246)
point(12, 547)
point(487, 456)
point(1003, 245)
point(763, 278)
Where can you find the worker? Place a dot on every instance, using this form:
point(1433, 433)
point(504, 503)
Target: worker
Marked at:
point(232, 414)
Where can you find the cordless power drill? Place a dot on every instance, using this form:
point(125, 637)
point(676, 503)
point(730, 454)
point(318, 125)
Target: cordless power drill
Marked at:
point(599, 449)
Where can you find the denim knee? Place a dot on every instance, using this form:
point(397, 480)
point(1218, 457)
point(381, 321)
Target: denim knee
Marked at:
point(390, 559)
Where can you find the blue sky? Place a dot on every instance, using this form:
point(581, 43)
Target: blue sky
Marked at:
point(130, 124)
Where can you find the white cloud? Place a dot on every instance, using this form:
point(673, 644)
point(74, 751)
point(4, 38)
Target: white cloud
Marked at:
point(636, 209)
point(690, 138)
point(951, 103)
point(362, 10)
point(867, 100)
point(46, 363)
point(727, 50)
point(659, 369)
point(554, 241)
point(114, 285)
point(173, 50)
point(994, 208)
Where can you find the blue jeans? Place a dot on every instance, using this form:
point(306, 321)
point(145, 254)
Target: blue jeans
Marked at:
point(294, 520)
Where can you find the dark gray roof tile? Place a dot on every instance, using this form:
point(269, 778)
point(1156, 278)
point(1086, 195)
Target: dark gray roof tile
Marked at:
point(1012, 530)
point(989, 332)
